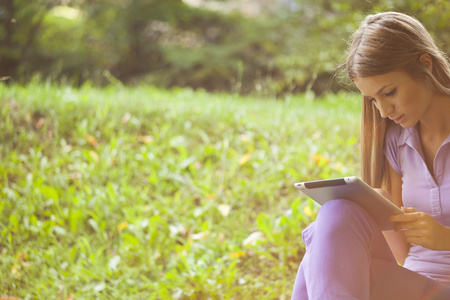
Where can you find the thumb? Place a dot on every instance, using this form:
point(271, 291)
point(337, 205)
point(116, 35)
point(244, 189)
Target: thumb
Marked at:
point(409, 209)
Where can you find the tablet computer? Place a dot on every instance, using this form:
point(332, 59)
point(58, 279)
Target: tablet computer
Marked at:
point(353, 189)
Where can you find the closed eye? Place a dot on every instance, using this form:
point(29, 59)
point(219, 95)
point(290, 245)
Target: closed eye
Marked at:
point(391, 93)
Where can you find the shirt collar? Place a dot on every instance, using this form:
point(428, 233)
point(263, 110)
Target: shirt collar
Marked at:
point(410, 136)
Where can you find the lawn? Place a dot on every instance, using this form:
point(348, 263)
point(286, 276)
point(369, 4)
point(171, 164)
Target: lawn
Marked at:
point(141, 193)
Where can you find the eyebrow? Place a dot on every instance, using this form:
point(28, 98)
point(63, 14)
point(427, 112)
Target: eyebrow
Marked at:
point(380, 90)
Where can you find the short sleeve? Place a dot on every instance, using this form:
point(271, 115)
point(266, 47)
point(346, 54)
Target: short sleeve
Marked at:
point(391, 147)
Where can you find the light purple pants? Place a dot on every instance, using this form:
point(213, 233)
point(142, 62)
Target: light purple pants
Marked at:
point(347, 257)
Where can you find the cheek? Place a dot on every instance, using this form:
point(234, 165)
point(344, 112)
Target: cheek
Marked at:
point(421, 93)
point(423, 96)
point(415, 97)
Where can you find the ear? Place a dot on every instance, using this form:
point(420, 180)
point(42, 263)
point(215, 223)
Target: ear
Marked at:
point(425, 59)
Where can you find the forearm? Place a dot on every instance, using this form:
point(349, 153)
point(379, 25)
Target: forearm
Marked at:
point(446, 238)
point(398, 245)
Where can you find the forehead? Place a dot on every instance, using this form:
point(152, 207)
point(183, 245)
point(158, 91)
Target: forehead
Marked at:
point(369, 86)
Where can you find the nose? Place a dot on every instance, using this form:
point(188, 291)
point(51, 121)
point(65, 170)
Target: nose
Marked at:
point(385, 109)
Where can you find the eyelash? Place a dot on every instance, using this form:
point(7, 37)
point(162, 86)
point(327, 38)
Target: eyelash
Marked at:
point(390, 94)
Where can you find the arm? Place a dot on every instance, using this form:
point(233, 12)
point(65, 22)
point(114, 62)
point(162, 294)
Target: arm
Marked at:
point(395, 239)
point(422, 229)
point(413, 226)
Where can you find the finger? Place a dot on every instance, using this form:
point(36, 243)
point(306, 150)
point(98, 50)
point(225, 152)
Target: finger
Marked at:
point(412, 233)
point(407, 226)
point(406, 217)
point(416, 240)
point(409, 209)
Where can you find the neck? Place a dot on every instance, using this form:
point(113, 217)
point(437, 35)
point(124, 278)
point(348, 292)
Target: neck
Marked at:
point(436, 121)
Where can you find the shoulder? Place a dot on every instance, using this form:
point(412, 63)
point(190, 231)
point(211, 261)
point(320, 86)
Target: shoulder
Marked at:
point(393, 134)
point(395, 137)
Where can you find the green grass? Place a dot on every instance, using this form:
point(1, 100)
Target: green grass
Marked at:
point(139, 193)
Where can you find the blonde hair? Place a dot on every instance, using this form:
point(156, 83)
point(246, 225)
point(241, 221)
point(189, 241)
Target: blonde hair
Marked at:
point(388, 42)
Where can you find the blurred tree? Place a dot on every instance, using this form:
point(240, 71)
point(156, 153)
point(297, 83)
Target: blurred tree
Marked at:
point(289, 46)
point(169, 43)
point(21, 21)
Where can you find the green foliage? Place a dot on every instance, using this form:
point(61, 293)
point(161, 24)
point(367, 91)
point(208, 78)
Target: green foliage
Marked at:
point(123, 193)
point(291, 46)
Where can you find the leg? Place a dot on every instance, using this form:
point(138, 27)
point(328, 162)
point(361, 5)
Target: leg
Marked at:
point(391, 281)
point(348, 258)
point(339, 245)
point(299, 291)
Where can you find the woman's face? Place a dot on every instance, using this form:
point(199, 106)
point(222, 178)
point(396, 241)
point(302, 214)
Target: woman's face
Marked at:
point(397, 96)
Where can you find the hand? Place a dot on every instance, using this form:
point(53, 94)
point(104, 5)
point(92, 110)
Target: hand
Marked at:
point(422, 229)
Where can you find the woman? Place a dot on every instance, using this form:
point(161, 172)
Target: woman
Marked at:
point(405, 152)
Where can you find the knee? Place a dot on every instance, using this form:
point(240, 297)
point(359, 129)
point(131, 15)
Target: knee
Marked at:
point(340, 221)
point(341, 214)
point(340, 208)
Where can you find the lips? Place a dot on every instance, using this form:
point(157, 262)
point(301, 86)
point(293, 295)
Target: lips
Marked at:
point(398, 120)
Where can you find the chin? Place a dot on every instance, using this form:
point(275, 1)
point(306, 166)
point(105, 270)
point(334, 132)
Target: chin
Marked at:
point(408, 124)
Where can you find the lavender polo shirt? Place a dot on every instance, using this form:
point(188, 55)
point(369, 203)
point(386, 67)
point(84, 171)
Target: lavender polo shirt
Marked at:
point(422, 191)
